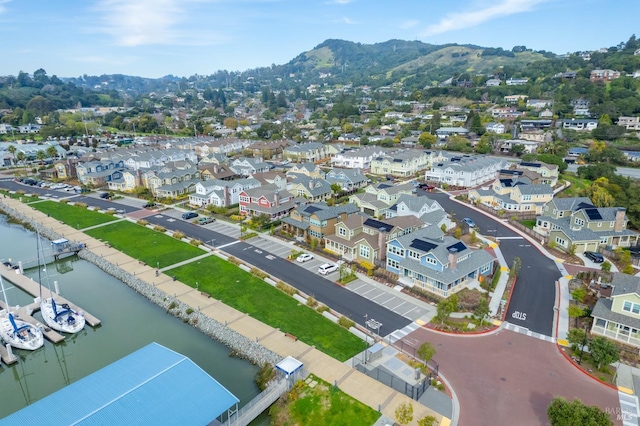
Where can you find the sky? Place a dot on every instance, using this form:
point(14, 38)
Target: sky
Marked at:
point(153, 38)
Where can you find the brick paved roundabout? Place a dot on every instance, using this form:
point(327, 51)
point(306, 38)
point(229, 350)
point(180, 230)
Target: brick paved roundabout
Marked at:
point(508, 378)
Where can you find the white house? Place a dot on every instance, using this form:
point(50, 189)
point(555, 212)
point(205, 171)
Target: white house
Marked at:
point(357, 158)
point(221, 193)
point(497, 128)
point(466, 171)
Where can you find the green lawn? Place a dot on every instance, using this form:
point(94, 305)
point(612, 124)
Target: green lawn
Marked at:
point(322, 405)
point(577, 185)
point(20, 196)
point(74, 216)
point(145, 244)
point(529, 223)
point(241, 290)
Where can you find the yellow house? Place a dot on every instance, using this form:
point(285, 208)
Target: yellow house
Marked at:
point(516, 195)
point(619, 316)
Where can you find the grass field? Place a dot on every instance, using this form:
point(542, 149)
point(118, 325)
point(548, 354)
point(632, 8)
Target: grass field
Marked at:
point(144, 244)
point(74, 216)
point(577, 185)
point(20, 196)
point(321, 405)
point(241, 290)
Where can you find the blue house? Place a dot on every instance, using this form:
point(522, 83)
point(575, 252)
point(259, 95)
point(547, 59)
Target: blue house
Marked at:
point(432, 261)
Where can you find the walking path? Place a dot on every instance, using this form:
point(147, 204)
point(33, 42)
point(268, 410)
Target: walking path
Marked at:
point(360, 386)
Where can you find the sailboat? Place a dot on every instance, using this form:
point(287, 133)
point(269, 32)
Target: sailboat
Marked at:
point(16, 332)
point(59, 316)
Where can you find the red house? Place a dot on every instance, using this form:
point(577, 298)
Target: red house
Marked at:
point(269, 200)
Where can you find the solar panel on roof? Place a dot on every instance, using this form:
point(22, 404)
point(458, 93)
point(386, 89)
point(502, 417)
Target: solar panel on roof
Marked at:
point(593, 214)
point(459, 246)
point(384, 185)
point(530, 164)
point(311, 209)
point(585, 206)
point(377, 224)
point(422, 245)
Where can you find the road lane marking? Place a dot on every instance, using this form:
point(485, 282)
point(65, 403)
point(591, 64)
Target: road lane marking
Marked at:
point(229, 244)
point(509, 238)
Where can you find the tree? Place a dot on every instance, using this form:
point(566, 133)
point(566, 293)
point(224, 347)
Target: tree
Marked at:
point(404, 413)
point(427, 421)
point(230, 123)
point(426, 351)
point(576, 337)
point(52, 152)
point(482, 310)
point(446, 307)
point(603, 351)
point(21, 157)
point(517, 149)
point(336, 188)
point(483, 147)
point(12, 149)
point(427, 139)
point(605, 266)
point(574, 413)
point(578, 294)
point(576, 312)
point(41, 155)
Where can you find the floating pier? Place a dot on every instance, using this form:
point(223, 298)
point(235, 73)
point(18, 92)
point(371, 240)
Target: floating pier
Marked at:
point(25, 312)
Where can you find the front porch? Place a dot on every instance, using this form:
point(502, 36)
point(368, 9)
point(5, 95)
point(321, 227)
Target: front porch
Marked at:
point(616, 331)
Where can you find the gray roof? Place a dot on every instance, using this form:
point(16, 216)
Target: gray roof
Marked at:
point(625, 284)
point(584, 234)
point(304, 147)
point(320, 186)
point(414, 203)
point(434, 217)
point(324, 212)
point(603, 310)
point(297, 223)
point(476, 259)
point(534, 189)
point(570, 203)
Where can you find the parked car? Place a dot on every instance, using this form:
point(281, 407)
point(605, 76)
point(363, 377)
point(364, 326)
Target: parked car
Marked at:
point(470, 223)
point(105, 195)
point(149, 205)
point(205, 220)
point(327, 268)
point(304, 257)
point(189, 215)
point(594, 257)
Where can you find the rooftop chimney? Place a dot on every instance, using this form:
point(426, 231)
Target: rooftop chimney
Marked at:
point(618, 225)
point(382, 246)
point(276, 199)
point(453, 258)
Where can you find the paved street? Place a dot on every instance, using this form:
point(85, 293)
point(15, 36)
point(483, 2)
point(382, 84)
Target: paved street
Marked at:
point(533, 296)
point(508, 378)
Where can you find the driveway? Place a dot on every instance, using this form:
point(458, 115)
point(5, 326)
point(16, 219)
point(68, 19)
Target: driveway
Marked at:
point(508, 378)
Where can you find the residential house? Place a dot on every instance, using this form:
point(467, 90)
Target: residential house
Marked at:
point(221, 193)
point(445, 132)
point(539, 103)
point(348, 179)
point(466, 171)
point(629, 123)
point(427, 210)
point(514, 195)
point(532, 125)
point(430, 261)
point(99, 173)
point(401, 163)
point(316, 220)
point(494, 127)
point(269, 149)
point(268, 200)
point(618, 317)
point(549, 172)
point(311, 151)
point(215, 158)
point(505, 112)
point(577, 151)
point(379, 197)
point(580, 125)
point(360, 238)
point(529, 146)
point(6, 129)
point(267, 178)
point(246, 166)
point(171, 182)
point(604, 75)
point(29, 128)
point(312, 189)
point(215, 171)
point(575, 224)
point(493, 82)
point(517, 81)
point(308, 169)
point(514, 99)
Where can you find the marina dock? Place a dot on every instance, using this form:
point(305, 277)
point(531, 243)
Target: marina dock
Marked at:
point(25, 312)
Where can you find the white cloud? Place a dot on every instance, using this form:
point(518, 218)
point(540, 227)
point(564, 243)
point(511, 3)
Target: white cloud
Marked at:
point(348, 21)
point(458, 21)
point(2, 7)
point(146, 22)
point(407, 25)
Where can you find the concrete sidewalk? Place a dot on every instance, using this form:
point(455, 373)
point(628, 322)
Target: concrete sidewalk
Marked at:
point(363, 388)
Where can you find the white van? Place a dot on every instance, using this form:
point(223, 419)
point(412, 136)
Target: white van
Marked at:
point(327, 268)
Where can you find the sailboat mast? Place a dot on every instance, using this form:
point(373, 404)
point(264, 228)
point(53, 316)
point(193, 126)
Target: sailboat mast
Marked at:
point(4, 293)
point(39, 265)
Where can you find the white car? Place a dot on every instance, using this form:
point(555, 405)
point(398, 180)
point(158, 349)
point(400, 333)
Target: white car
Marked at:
point(327, 268)
point(304, 257)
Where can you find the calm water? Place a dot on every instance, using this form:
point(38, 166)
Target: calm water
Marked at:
point(129, 322)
